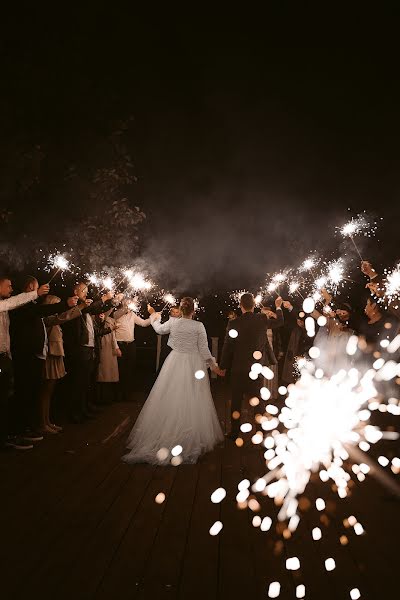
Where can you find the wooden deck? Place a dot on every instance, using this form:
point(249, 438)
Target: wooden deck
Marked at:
point(77, 523)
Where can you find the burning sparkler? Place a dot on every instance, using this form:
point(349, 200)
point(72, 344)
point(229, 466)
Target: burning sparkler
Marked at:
point(94, 279)
point(392, 285)
point(354, 227)
point(335, 274)
point(326, 423)
point(138, 282)
point(58, 262)
point(258, 299)
point(170, 300)
point(294, 288)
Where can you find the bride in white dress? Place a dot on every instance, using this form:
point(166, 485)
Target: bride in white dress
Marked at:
point(179, 410)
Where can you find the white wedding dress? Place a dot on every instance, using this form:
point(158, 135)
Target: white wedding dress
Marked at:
point(179, 410)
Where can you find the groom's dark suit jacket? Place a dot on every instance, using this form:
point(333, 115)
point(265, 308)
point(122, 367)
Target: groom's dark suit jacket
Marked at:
point(237, 352)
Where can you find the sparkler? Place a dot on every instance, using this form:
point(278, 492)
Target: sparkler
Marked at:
point(94, 279)
point(58, 262)
point(326, 423)
point(294, 289)
point(138, 282)
point(308, 265)
point(258, 299)
point(169, 300)
point(108, 284)
point(335, 273)
point(276, 282)
point(392, 286)
point(354, 227)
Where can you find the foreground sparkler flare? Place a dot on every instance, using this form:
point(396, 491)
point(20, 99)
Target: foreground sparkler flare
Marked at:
point(327, 423)
point(392, 286)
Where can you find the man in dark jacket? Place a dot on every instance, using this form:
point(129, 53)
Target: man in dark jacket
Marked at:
point(29, 351)
point(79, 348)
point(245, 344)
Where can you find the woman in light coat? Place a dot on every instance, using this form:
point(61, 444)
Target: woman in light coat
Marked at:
point(54, 368)
point(107, 356)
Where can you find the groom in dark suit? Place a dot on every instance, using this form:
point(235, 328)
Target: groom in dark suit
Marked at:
point(245, 344)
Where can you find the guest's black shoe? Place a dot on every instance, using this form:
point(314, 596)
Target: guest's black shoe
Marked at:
point(32, 436)
point(14, 441)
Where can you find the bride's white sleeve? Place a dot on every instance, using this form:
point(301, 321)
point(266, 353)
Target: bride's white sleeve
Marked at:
point(204, 350)
point(160, 328)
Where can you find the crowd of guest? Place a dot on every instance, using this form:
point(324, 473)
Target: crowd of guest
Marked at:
point(89, 346)
point(335, 322)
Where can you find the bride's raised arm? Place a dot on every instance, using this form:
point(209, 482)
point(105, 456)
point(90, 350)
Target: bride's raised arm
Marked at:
point(160, 328)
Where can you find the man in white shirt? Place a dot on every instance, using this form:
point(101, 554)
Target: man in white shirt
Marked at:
point(125, 334)
point(7, 303)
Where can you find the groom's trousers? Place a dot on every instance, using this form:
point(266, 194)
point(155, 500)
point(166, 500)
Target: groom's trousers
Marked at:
point(242, 387)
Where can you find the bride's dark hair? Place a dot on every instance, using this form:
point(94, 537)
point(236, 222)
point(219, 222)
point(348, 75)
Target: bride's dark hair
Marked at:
point(187, 306)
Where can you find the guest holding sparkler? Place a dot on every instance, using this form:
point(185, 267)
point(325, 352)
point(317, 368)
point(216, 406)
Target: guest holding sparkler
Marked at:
point(333, 335)
point(107, 354)
point(245, 344)
point(79, 344)
point(386, 289)
point(298, 346)
point(125, 335)
point(29, 344)
point(7, 303)
point(380, 326)
point(54, 369)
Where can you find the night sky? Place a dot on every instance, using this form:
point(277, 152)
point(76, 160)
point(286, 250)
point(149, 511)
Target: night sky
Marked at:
point(247, 152)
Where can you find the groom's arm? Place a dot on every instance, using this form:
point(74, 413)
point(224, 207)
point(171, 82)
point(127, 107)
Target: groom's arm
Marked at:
point(227, 350)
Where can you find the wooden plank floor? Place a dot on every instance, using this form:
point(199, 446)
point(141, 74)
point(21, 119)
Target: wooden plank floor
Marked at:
point(77, 522)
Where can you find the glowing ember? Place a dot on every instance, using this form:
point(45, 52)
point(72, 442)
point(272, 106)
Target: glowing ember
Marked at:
point(218, 495)
point(216, 528)
point(274, 589)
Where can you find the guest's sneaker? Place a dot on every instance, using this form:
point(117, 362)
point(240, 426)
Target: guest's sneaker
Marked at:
point(18, 443)
point(32, 436)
